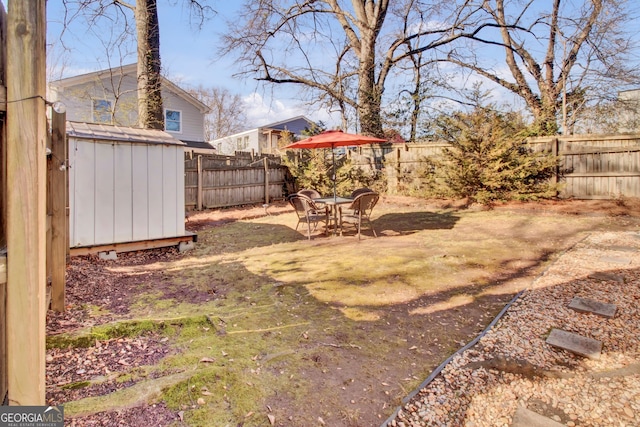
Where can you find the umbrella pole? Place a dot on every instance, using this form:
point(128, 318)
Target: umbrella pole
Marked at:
point(333, 161)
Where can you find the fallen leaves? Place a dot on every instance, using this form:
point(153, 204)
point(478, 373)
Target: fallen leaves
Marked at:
point(96, 364)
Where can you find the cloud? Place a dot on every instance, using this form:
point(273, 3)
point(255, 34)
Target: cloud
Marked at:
point(263, 109)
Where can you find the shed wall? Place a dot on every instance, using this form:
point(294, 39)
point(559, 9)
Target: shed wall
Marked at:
point(123, 192)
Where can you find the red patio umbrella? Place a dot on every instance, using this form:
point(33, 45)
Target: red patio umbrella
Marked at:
point(332, 139)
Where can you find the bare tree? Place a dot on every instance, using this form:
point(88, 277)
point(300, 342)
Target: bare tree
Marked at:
point(343, 50)
point(150, 112)
point(556, 57)
point(145, 14)
point(227, 114)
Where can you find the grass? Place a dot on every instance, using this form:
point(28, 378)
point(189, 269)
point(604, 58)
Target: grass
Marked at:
point(302, 328)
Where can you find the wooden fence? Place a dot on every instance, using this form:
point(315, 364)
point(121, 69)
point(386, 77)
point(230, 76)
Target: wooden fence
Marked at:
point(595, 166)
point(215, 181)
point(591, 166)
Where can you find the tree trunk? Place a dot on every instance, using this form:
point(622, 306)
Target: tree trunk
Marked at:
point(150, 111)
point(369, 95)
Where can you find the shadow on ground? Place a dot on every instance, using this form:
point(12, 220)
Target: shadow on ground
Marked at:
point(411, 222)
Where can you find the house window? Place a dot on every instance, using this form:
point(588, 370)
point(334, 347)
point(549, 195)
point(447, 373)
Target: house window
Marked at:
point(242, 143)
point(173, 120)
point(101, 111)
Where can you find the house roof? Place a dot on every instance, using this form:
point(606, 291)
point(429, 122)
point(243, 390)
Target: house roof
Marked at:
point(280, 126)
point(282, 123)
point(120, 133)
point(125, 70)
point(199, 145)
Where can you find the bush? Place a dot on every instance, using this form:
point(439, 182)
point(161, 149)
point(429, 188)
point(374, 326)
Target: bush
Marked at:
point(488, 159)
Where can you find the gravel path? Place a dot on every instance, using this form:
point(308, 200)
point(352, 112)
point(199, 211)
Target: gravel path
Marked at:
point(512, 366)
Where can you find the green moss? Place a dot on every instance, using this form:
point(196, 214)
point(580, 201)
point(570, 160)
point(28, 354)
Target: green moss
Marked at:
point(95, 311)
point(131, 328)
point(76, 385)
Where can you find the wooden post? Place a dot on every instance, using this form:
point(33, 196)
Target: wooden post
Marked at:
point(26, 208)
point(199, 195)
point(3, 205)
point(266, 180)
point(554, 150)
point(3, 325)
point(58, 188)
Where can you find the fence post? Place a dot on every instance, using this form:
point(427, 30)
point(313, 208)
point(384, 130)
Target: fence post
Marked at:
point(58, 188)
point(199, 195)
point(554, 151)
point(26, 202)
point(266, 180)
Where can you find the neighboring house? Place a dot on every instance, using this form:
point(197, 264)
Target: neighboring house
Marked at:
point(629, 117)
point(110, 97)
point(264, 139)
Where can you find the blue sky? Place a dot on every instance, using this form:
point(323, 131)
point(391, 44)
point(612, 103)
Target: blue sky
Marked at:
point(189, 57)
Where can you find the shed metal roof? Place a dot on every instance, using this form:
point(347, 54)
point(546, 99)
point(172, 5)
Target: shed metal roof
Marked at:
point(120, 133)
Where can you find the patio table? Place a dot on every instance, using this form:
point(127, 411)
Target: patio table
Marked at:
point(333, 203)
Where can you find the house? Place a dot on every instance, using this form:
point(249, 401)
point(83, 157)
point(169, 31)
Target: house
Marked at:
point(110, 97)
point(264, 139)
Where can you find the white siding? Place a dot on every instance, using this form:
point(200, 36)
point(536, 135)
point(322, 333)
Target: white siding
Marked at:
point(104, 190)
point(121, 192)
point(155, 180)
point(192, 118)
point(124, 196)
point(81, 193)
point(140, 207)
point(229, 144)
point(121, 91)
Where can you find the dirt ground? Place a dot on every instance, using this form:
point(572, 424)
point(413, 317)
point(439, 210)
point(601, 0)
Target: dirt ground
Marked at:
point(97, 294)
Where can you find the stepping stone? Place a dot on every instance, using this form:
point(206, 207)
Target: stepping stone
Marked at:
point(526, 418)
point(615, 260)
point(108, 255)
point(600, 275)
point(585, 305)
point(575, 343)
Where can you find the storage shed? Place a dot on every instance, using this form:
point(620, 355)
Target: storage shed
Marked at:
point(126, 189)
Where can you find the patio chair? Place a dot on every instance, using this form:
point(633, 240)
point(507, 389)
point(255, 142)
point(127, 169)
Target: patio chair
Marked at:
point(309, 213)
point(310, 193)
point(359, 191)
point(313, 194)
point(359, 211)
